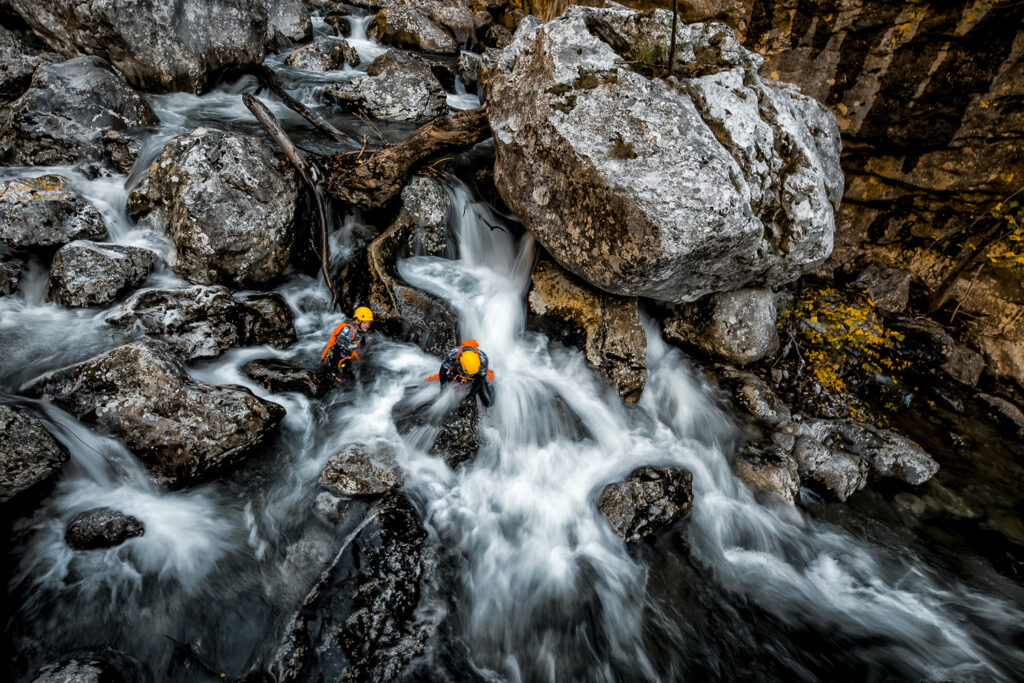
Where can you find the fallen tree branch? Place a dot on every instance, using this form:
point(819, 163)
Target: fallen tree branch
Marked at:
point(270, 80)
point(371, 179)
point(274, 129)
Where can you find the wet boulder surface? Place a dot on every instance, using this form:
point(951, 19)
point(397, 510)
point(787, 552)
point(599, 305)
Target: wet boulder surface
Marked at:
point(396, 87)
point(101, 527)
point(46, 212)
point(89, 273)
point(723, 178)
point(29, 455)
point(362, 470)
point(359, 622)
point(18, 62)
point(280, 376)
point(649, 500)
point(437, 26)
point(227, 203)
point(323, 56)
point(68, 106)
point(181, 429)
point(736, 327)
point(203, 322)
point(138, 38)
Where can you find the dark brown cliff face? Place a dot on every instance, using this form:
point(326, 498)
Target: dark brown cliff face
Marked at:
point(929, 98)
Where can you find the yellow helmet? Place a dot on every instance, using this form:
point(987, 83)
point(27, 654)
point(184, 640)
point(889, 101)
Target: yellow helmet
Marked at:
point(470, 362)
point(363, 313)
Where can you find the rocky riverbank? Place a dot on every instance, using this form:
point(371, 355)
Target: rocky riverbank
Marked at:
point(166, 290)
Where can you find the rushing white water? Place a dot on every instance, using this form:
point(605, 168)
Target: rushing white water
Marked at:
point(545, 590)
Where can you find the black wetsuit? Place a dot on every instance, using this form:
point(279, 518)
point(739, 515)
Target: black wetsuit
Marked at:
point(451, 371)
point(341, 348)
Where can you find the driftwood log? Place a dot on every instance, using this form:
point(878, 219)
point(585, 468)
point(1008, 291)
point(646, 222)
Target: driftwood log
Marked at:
point(370, 179)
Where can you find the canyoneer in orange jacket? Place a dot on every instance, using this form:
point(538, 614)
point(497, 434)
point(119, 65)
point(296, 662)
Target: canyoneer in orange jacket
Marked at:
point(341, 349)
point(466, 366)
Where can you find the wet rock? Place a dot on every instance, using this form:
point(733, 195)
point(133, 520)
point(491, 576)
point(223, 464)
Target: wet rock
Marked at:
point(101, 528)
point(62, 116)
point(359, 622)
point(342, 25)
point(468, 66)
point(135, 35)
point(840, 472)
point(88, 273)
point(203, 322)
point(400, 311)
point(10, 277)
point(323, 56)
point(458, 439)
point(328, 507)
point(278, 376)
point(425, 25)
point(755, 396)
point(724, 179)
point(768, 471)
point(228, 204)
point(267, 319)
point(46, 212)
point(425, 207)
point(605, 327)
point(737, 327)
point(181, 429)
point(361, 470)
point(888, 287)
point(18, 62)
point(1004, 410)
point(887, 454)
point(29, 455)
point(122, 150)
point(648, 500)
point(964, 365)
point(397, 87)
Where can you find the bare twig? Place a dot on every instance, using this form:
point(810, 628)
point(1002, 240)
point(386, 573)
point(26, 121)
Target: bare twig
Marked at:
point(270, 80)
point(672, 41)
point(274, 129)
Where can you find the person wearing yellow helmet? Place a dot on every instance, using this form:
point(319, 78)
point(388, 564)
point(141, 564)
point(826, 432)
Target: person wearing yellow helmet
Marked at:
point(466, 366)
point(341, 349)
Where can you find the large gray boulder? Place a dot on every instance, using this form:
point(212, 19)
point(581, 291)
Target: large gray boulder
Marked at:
point(90, 273)
point(425, 25)
point(737, 327)
point(62, 116)
point(666, 188)
point(168, 44)
point(605, 327)
point(46, 212)
point(648, 500)
point(17, 64)
point(29, 455)
point(203, 322)
point(323, 56)
point(228, 204)
point(101, 528)
point(397, 87)
point(181, 429)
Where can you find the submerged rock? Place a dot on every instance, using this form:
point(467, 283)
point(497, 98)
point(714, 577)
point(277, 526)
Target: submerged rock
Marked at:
point(323, 56)
point(649, 500)
point(737, 327)
point(722, 178)
point(203, 322)
point(88, 273)
point(46, 212)
point(227, 203)
point(606, 327)
point(360, 470)
point(168, 44)
point(278, 376)
point(397, 87)
point(458, 440)
point(181, 429)
point(61, 118)
point(359, 622)
point(101, 528)
point(29, 455)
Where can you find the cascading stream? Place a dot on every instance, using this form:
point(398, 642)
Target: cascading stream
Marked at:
point(545, 590)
